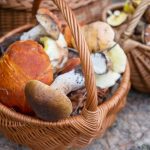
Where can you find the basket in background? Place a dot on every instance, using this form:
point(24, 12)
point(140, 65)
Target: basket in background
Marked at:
point(138, 53)
point(14, 13)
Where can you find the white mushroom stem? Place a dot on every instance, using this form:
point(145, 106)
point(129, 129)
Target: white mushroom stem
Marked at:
point(34, 34)
point(70, 81)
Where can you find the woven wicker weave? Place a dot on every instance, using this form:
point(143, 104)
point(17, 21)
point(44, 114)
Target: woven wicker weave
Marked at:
point(27, 4)
point(14, 13)
point(74, 131)
point(138, 53)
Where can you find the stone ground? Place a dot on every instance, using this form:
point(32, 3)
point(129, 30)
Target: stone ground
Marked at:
point(131, 131)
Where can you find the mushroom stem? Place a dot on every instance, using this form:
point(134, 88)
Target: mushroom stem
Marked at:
point(50, 102)
point(70, 81)
point(34, 34)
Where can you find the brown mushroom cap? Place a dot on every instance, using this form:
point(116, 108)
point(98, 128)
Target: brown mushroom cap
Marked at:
point(48, 103)
point(50, 22)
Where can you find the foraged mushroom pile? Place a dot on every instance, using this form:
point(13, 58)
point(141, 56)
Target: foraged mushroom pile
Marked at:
point(118, 17)
point(40, 74)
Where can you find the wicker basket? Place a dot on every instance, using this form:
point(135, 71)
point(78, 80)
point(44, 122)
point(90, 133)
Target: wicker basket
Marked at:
point(138, 53)
point(75, 131)
point(14, 13)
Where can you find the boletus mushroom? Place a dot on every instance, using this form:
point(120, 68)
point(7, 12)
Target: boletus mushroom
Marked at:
point(51, 103)
point(98, 35)
point(49, 22)
point(109, 65)
point(18, 65)
point(49, 25)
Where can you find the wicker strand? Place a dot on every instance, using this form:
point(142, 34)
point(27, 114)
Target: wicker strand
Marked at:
point(136, 18)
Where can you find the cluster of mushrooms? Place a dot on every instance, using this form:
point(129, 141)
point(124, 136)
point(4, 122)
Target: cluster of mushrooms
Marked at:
point(43, 67)
point(117, 18)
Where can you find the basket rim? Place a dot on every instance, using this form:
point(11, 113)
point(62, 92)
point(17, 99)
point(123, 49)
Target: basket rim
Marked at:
point(22, 118)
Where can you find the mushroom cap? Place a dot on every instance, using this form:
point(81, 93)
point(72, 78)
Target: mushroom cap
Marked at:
point(49, 104)
point(107, 80)
point(49, 21)
point(116, 20)
point(23, 61)
point(118, 58)
point(105, 34)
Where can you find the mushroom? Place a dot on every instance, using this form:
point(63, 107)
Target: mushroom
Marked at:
point(118, 58)
point(108, 65)
point(105, 35)
point(107, 80)
point(98, 35)
point(23, 61)
point(56, 51)
point(50, 102)
point(48, 26)
point(99, 63)
point(50, 22)
point(117, 18)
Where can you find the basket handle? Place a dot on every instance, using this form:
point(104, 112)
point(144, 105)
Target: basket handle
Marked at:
point(136, 18)
point(87, 67)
